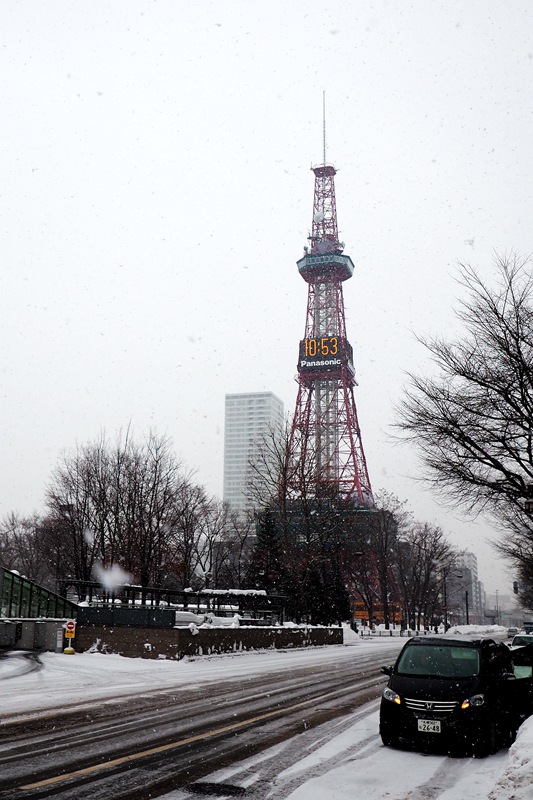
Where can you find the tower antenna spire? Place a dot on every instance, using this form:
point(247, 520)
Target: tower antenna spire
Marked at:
point(324, 126)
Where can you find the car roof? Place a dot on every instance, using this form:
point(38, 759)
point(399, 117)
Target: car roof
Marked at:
point(450, 640)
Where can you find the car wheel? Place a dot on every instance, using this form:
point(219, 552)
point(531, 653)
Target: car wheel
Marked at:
point(389, 739)
point(486, 741)
point(508, 734)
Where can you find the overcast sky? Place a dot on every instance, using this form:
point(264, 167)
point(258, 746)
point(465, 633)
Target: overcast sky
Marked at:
point(156, 194)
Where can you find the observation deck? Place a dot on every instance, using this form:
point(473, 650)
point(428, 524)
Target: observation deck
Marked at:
point(315, 267)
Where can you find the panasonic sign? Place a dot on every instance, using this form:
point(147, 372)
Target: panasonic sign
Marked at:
point(314, 364)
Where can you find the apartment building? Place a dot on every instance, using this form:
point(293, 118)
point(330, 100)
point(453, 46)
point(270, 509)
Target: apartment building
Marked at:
point(248, 419)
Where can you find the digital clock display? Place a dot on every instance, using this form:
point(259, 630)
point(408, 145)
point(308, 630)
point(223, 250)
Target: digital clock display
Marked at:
point(326, 346)
point(324, 353)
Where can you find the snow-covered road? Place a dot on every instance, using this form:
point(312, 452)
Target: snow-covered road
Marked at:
point(346, 760)
point(339, 760)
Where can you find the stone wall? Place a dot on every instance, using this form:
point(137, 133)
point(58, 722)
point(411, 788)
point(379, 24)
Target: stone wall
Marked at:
point(179, 642)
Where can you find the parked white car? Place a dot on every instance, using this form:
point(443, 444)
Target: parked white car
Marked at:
point(521, 639)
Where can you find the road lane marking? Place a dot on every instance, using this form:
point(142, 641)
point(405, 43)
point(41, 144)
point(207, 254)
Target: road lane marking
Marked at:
point(166, 747)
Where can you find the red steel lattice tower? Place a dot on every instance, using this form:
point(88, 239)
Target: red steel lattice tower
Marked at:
point(325, 432)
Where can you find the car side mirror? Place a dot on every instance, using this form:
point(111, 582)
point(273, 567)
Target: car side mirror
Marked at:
point(386, 670)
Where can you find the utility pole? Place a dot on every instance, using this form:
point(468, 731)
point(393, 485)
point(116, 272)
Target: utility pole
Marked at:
point(445, 607)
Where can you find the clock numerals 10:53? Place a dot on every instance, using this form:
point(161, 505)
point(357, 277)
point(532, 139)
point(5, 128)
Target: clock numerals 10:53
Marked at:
point(326, 346)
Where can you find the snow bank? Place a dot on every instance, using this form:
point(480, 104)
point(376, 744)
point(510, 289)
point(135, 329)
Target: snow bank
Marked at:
point(479, 630)
point(349, 636)
point(516, 782)
point(221, 622)
point(186, 618)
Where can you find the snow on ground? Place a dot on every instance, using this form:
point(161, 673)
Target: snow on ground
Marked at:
point(66, 681)
point(349, 763)
point(393, 774)
point(516, 782)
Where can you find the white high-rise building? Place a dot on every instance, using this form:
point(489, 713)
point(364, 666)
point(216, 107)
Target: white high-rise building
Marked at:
point(472, 587)
point(248, 418)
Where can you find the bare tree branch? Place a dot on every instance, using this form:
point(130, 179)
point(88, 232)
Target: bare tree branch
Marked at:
point(472, 421)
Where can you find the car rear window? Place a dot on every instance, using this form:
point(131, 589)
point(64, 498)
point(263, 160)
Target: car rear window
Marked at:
point(442, 662)
point(520, 641)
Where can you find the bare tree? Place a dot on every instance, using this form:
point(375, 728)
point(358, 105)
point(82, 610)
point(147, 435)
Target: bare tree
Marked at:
point(305, 532)
point(127, 504)
point(370, 555)
point(271, 471)
point(309, 543)
point(525, 579)
point(231, 549)
point(8, 550)
point(472, 422)
point(192, 507)
point(423, 560)
point(81, 504)
point(20, 549)
point(361, 575)
point(391, 519)
point(209, 547)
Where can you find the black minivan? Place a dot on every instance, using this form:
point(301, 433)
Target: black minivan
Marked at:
point(462, 696)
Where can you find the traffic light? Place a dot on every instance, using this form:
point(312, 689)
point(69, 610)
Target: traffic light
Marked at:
point(515, 587)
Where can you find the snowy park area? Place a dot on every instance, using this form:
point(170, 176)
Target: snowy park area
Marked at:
point(346, 761)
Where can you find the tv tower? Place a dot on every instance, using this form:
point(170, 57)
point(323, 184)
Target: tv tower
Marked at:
point(325, 441)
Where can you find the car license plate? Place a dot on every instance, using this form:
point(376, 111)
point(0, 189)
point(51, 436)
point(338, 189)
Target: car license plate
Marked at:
point(429, 725)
